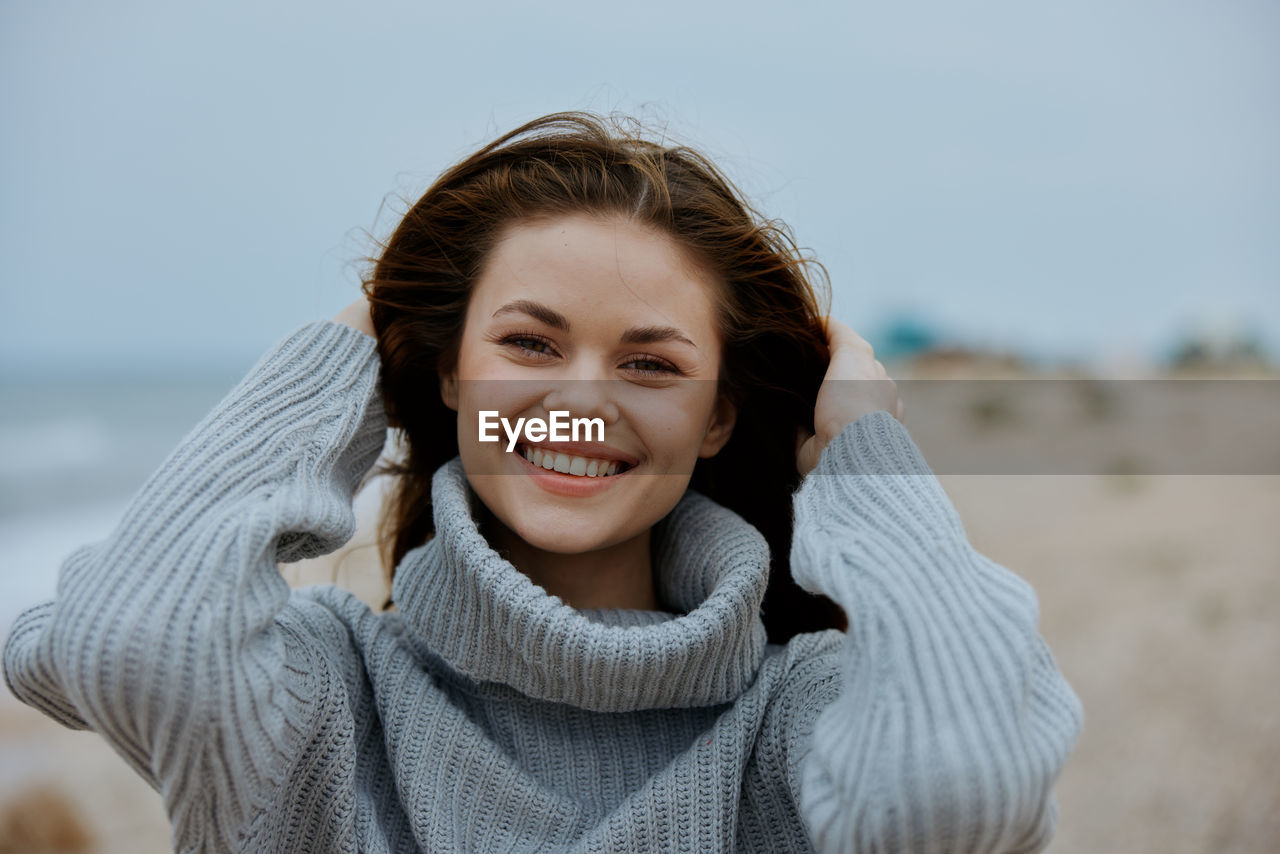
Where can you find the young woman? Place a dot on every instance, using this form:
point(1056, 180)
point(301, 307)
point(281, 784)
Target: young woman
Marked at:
point(743, 616)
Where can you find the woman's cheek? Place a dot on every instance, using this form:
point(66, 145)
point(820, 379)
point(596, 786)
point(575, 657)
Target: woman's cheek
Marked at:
point(677, 426)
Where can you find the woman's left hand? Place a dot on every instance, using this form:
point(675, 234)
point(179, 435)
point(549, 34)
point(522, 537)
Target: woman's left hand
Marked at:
point(846, 393)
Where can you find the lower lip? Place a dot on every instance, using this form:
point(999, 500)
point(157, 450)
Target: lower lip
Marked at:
point(570, 485)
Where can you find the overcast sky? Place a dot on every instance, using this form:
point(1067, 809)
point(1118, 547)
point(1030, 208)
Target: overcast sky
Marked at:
point(183, 184)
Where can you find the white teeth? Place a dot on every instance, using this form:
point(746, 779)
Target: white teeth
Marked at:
point(577, 466)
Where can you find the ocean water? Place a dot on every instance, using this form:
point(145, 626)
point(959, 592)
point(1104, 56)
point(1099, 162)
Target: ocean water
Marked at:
point(72, 456)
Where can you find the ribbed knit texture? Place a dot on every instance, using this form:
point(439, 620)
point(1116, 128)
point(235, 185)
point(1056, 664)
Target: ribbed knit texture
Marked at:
point(486, 715)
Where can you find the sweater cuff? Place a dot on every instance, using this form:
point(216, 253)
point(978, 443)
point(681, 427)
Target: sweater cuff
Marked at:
point(309, 373)
point(872, 477)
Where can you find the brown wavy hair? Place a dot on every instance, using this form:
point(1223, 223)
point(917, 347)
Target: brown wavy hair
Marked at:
point(770, 316)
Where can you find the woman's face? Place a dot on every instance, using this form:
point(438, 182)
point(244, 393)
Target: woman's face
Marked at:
point(605, 319)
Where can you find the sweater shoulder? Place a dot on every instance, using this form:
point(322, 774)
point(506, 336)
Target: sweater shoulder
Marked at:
point(331, 616)
point(804, 679)
point(807, 664)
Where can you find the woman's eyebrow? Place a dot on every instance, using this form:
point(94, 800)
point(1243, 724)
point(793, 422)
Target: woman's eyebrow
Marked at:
point(556, 320)
point(537, 311)
point(654, 334)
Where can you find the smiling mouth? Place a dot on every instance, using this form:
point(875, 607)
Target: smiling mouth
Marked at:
point(572, 465)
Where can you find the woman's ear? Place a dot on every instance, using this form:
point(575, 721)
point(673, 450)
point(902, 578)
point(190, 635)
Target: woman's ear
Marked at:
point(719, 428)
point(449, 389)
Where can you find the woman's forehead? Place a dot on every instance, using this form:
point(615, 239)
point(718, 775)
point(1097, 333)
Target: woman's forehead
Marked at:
point(582, 263)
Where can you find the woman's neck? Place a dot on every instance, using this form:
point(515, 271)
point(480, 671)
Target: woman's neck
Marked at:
point(618, 576)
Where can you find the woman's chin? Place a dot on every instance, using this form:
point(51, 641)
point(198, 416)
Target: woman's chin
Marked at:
point(566, 545)
point(572, 536)
point(569, 524)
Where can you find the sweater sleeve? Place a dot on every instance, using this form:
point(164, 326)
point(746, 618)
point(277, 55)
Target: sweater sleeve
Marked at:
point(165, 638)
point(950, 720)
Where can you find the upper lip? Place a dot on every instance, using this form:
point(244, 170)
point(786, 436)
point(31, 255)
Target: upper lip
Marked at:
point(591, 450)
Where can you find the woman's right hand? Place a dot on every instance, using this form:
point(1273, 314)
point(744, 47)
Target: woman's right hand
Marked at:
point(357, 316)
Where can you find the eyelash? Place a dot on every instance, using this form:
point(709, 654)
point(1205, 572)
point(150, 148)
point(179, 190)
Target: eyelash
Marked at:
point(517, 339)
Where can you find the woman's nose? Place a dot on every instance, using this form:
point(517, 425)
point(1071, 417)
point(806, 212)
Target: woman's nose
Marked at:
point(583, 398)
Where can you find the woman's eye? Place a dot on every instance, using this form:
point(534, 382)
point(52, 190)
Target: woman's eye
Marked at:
point(533, 344)
point(650, 366)
point(530, 345)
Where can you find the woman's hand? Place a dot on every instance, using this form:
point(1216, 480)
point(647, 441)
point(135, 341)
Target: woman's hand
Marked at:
point(847, 392)
point(357, 316)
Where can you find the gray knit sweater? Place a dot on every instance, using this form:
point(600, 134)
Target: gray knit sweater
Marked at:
point(487, 715)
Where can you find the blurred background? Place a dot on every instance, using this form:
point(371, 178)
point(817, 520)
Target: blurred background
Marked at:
point(997, 189)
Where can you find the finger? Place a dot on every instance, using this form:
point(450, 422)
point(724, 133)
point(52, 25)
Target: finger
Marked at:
point(902, 410)
point(841, 335)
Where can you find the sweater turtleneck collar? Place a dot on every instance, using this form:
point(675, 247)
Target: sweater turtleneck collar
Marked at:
point(490, 622)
